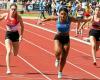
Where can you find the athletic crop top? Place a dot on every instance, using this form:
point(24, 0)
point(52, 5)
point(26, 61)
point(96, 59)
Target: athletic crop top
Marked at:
point(12, 23)
point(96, 25)
point(63, 27)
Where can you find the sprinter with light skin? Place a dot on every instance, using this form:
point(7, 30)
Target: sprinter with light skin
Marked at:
point(62, 37)
point(12, 37)
point(95, 33)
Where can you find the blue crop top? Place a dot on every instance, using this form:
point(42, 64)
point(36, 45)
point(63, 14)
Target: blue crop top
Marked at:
point(63, 27)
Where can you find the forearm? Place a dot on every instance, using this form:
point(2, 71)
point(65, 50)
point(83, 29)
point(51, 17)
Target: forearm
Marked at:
point(44, 20)
point(22, 26)
point(50, 18)
point(1, 18)
point(22, 30)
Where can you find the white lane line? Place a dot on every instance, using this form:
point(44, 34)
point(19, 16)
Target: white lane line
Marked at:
point(22, 77)
point(66, 61)
point(31, 65)
point(53, 40)
point(34, 68)
point(38, 35)
point(48, 30)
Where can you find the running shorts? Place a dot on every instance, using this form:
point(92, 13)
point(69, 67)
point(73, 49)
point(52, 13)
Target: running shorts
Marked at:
point(13, 36)
point(95, 33)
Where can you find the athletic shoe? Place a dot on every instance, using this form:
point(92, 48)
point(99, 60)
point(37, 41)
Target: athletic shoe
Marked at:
point(94, 63)
point(8, 72)
point(57, 63)
point(59, 75)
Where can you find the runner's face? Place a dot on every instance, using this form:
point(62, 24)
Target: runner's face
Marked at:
point(63, 15)
point(97, 11)
point(13, 10)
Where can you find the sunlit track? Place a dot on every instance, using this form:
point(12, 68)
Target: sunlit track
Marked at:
point(52, 41)
point(30, 64)
point(46, 29)
point(38, 35)
point(53, 55)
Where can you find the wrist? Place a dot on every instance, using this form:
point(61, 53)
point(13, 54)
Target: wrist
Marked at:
point(21, 35)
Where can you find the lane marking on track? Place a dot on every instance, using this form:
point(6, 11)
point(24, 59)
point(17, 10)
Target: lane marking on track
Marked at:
point(46, 29)
point(30, 64)
point(67, 61)
point(21, 77)
point(53, 40)
point(38, 35)
point(34, 68)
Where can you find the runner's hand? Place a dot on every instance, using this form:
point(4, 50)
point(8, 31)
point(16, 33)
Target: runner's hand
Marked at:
point(20, 38)
point(39, 22)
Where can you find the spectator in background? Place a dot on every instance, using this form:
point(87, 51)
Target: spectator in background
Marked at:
point(84, 3)
point(49, 3)
point(94, 3)
point(5, 4)
point(57, 6)
point(53, 8)
point(73, 9)
point(42, 5)
point(1, 4)
point(79, 15)
point(13, 1)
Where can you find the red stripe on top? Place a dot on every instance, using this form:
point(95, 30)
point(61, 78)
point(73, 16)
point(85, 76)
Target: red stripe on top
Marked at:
point(12, 22)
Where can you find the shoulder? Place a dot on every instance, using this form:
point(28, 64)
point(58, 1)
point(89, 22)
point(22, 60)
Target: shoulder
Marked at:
point(19, 17)
point(4, 14)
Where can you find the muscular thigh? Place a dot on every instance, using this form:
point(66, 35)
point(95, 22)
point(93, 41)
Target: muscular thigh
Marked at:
point(15, 46)
point(57, 45)
point(8, 44)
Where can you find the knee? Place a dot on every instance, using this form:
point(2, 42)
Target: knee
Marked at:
point(8, 52)
point(57, 52)
point(97, 48)
point(93, 46)
point(15, 53)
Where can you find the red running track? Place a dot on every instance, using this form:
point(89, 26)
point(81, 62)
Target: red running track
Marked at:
point(36, 57)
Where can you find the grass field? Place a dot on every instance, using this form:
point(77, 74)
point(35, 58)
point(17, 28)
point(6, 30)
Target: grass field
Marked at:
point(32, 14)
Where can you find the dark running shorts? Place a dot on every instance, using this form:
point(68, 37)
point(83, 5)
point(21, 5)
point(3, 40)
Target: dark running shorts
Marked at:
point(13, 36)
point(95, 33)
point(63, 38)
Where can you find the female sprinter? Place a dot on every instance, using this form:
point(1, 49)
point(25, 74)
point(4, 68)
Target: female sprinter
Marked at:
point(12, 37)
point(61, 39)
point(95, 33)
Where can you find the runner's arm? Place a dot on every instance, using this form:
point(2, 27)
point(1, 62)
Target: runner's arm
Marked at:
point(22, 25)
point(48, 19)
point(2, 16)
point(80, 20)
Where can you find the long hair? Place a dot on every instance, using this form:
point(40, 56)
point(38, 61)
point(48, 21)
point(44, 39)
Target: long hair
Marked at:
point(13, 4)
